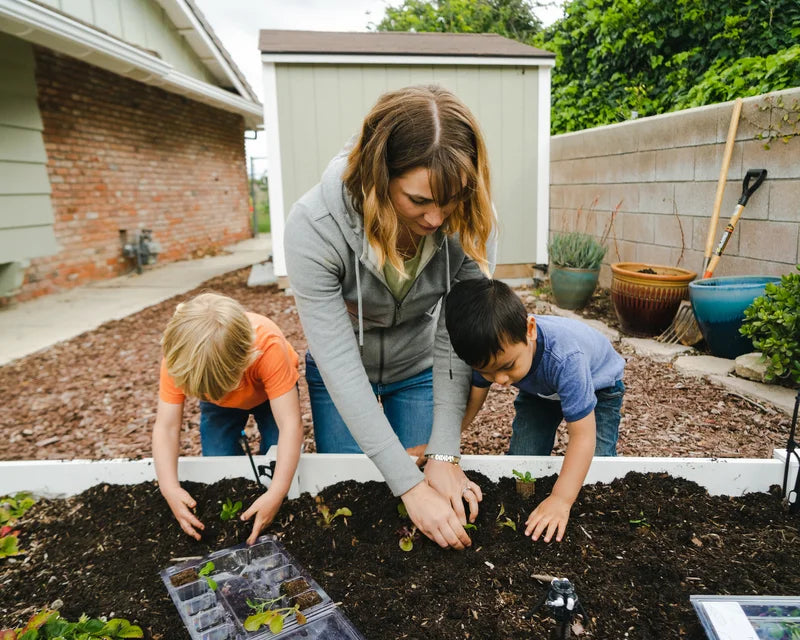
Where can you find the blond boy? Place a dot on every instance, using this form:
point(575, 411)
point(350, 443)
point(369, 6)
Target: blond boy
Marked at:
point(237, 363)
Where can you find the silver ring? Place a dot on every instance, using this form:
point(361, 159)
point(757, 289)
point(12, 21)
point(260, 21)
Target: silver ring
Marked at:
point(465, 489)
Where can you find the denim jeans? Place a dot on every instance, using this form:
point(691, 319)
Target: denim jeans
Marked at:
point(537, 419)
point(407, 404)
point(221, 428)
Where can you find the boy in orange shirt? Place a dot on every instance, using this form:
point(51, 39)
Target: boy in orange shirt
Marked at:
point(237, 363)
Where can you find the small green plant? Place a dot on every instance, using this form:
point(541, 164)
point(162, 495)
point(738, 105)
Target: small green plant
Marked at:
point(402, 511)
point(326, 517)
point(504, 521)
point(230, 509)
point(772, 322)
point(641, 521)
point(12, 508)
point(48, 624)
point(469, 526)
point(407, 536)
point(576, 250)
point(208, 567)
point(9, 543)
point(526, 477)
point(274, 618)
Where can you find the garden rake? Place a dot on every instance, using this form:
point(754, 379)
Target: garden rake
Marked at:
point(684, 327)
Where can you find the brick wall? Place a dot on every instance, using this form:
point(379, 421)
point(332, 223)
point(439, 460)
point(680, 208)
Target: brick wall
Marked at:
point(664, 171)
point(124, 155)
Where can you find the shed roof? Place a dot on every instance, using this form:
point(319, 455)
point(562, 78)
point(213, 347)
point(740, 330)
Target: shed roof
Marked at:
point(393, 43)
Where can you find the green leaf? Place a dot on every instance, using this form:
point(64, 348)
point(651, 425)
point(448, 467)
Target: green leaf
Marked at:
point(276, 624)
point(406, 543)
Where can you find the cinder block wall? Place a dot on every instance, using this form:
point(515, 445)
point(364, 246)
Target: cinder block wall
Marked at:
point(664, 170)
point(124, 155)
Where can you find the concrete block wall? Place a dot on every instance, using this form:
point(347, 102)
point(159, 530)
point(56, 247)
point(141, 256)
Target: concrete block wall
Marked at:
point(662, 173)
point(122, 155)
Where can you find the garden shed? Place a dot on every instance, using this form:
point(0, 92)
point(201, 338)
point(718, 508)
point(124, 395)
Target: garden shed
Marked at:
point(115, 116)
point(318, 86)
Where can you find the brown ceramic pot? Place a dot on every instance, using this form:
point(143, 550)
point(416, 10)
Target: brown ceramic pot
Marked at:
point(645, 303)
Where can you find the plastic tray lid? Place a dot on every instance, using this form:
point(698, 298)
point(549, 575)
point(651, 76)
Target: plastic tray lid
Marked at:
point(748, 617)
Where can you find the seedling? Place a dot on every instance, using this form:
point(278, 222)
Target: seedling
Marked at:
point(469, 526)
point(230, 509)
point(641, 521)
point(526, 477)
point(327, 517)
point(12, 508)
point(407, 537)
point(208, 567)
point(401, 510)
point(8, 543)
point(505, 521)
point(48, 624)
point(274, 618)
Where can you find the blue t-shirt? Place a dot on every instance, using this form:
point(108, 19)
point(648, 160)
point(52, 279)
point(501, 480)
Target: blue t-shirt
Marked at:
point(571, 362)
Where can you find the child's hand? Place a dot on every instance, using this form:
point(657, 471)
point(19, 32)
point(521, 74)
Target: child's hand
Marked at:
point(181, 504)
point(264, 509)
point(552, 514)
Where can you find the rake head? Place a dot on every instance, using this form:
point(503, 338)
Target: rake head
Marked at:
point(683, 329)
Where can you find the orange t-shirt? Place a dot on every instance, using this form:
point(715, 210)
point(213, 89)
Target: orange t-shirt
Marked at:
point(273, 373)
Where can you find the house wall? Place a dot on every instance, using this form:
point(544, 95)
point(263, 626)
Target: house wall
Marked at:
point(664, 171)
point(321, 106)
point(26, 215)
point(140, 22)
point(122, 155)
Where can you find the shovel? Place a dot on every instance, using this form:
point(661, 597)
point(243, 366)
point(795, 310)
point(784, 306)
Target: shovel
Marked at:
point(684, 327)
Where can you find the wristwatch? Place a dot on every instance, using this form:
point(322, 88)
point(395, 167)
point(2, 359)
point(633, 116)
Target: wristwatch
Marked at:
point(443, 457)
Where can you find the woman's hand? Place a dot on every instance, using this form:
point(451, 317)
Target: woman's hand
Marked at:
point(264, 508)
point(433, 516)
point(451, 482)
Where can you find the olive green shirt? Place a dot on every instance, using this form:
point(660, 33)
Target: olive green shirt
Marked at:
point(397, 285)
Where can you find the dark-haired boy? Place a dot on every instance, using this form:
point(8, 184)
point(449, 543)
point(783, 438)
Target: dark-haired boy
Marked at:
point(563, 369)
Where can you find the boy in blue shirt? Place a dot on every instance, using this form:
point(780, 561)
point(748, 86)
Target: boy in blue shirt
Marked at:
point(563, 369)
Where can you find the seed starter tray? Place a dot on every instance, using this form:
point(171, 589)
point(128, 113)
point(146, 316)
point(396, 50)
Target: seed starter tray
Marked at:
point(264, 570)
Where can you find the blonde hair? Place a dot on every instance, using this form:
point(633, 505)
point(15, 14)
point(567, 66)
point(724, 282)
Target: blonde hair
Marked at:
point(208, 344)
point(422, 126)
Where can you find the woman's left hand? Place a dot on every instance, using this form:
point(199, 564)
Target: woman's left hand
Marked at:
point(451, 482)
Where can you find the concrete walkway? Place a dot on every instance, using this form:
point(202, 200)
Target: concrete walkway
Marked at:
point(31, 326)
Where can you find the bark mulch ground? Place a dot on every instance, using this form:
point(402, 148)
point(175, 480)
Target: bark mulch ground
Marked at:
point(101, 552)
point(94, 396)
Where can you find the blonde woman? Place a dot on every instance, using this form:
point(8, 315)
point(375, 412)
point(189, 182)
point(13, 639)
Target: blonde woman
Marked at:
point(371, 252)
point(238, 364)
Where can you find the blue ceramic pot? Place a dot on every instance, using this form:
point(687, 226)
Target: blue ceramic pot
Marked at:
point(719, 305)
point(572, 287)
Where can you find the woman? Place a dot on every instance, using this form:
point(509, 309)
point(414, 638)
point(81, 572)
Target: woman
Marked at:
point(371, 251)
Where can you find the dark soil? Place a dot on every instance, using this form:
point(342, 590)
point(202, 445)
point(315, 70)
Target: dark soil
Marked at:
point(101, 553)
point(95, 396)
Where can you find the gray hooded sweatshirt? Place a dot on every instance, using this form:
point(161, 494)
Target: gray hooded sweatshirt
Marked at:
point(359, 333)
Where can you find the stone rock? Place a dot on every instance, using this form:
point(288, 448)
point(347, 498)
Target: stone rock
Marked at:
point(752, 366)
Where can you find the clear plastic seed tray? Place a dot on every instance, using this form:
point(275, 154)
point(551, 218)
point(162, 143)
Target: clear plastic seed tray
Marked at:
point(749, 617)
point(242, 575)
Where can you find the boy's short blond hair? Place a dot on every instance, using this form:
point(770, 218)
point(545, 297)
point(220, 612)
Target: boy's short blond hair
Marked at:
point(207, 346)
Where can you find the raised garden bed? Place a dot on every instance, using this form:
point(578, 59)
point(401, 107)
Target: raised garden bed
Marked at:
point(101, 551)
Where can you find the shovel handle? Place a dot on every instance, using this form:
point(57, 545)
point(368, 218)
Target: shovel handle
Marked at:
point(747, 189)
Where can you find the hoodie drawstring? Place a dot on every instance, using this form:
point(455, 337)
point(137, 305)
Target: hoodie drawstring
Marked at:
point(447, 276)
point(360, 315)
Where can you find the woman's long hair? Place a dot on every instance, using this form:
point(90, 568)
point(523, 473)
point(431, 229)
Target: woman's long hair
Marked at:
point(428, 127)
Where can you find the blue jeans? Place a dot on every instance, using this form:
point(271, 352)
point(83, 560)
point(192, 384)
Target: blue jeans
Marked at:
point(407, 404)
point(221, 428)
point(537, 419)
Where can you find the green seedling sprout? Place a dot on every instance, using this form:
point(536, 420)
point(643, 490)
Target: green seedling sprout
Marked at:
point(407, 538)
point(526, 477)
point(12, 508)
point(274, 618)
point(469, 526)
point(401, 510)
point(208, 567)
point(327, 517)
point(48, 624)
point(230, 509)
point(505, 522)
point(641, 521)
point(9, 543)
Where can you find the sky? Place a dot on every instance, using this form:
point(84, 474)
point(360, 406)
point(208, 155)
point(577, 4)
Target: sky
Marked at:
point(237, 23)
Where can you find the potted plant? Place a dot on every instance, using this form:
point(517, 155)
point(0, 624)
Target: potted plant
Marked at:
point(575, 259)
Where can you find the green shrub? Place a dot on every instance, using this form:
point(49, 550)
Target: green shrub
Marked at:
point(577, 250)
point(773, 325)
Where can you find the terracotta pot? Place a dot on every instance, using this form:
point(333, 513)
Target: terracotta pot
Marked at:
point(645, 303)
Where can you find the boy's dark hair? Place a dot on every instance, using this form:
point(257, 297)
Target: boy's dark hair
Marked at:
point(482, 317)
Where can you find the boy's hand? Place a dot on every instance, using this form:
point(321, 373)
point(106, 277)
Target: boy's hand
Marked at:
point(264, 508)
point(181, 504)
point(551, 514)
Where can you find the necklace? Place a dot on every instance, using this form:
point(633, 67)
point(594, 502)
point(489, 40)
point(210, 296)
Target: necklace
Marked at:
point(407, 251)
